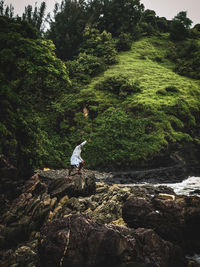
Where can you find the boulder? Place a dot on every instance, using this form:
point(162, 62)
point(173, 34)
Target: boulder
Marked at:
point(26, 214)
point(174, 218)
point(60, 185)
point(79, 185)
point(78, 241)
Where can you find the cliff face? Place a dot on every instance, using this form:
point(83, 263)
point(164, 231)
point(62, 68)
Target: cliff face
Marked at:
point(56, 221)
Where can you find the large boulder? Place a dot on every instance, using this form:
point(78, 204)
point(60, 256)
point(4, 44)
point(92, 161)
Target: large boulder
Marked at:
point(79, 185)
point(78, 241)
point(38, 200)
point(60, 185)
point(26, 214)
point(174, 218)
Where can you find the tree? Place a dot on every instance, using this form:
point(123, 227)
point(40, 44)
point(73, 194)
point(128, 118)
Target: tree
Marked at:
point(149, 16)
point(31, 77)
point(99, 44)
point(182, 17)
point(120, 16)
point(162, 24)
point(66, 29)
point(7, 11)
point(179, 28)
point(36, 17)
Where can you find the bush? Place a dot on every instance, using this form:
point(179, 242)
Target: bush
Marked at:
point(161, 92)
point(101, 45)
point(84, 67)
point(172, 89)
point(178, 32)
point(188, 59)
point(120, 86)
point(124, 42)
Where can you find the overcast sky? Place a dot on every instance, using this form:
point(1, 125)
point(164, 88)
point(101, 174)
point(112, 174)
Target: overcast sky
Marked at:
point(163, 8)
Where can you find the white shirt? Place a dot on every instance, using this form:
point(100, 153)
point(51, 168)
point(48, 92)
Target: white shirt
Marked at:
point(76, 155)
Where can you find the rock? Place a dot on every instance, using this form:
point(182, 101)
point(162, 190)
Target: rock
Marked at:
point(135, 212)
point(37, 202)
point(23, 256)
point(195, 192)
point(175, 219)
point(79, 185)
point(26, 214)
point(171, 174)
point(60, 185)
point(78, 241)
point(166, 196)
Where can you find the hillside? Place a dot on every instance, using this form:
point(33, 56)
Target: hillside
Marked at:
point(131, 106)
point(162, 111)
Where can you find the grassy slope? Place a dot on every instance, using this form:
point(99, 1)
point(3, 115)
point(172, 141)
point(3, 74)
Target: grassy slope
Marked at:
point(139, 64)
point(172, 116)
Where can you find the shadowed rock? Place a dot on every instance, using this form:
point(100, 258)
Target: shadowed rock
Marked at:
point(174, 219)
point(79, 185)
point(78, 241)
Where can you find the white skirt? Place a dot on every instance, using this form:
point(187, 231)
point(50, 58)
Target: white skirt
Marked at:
point(75, 161)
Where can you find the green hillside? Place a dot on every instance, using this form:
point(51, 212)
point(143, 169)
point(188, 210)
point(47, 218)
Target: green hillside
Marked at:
point(132, 106)
point(162, 114)
point(147, 63)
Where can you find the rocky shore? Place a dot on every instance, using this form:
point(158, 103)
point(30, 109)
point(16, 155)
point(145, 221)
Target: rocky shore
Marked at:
point(53, 221)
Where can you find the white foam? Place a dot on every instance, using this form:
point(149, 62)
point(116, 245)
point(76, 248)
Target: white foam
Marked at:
point(186, 187)
point(196, 258)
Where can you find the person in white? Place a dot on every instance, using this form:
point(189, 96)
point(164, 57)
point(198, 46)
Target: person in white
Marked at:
point(76, 159)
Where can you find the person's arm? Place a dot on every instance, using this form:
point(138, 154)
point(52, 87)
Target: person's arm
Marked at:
point(82, 144)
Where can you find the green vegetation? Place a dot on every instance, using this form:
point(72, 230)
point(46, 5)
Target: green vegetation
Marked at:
point(161, 113)
point(133, 104)
point(31, 77)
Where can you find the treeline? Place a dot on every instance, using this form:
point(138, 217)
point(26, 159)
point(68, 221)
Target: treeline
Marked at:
point(43, 72)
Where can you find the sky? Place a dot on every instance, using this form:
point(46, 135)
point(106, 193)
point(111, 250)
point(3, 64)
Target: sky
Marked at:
point(163, 8)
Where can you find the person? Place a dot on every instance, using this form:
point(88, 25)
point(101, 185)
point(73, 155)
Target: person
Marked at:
point(76, 159)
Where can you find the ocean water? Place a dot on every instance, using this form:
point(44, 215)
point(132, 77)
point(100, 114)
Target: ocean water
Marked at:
point(196, 258)
point(189, 186)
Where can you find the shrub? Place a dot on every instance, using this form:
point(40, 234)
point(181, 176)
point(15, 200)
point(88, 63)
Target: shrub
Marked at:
point(84, 67)
point(161, 92)
point(124, 42)
point(101, 45)
point(188, 59)
point(172, 89)
point(119, 85)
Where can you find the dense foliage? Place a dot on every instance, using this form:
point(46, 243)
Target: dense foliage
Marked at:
point(187, 58)
point(31, 77)
point(120, 82)
point(67, 28)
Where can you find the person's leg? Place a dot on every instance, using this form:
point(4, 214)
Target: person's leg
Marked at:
point(70, 169)
point(80, 167)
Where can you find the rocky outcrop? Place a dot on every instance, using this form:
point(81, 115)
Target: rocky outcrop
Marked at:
point(32, 208)
point(92, 211)
point(78, 241)
point(174, 218)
